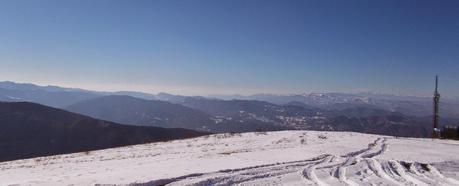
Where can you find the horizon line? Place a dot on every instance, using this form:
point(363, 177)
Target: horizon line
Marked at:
point(213, 94)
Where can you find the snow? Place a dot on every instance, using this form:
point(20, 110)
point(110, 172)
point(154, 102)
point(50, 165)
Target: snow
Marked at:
point(13, 98)
point(260, 158)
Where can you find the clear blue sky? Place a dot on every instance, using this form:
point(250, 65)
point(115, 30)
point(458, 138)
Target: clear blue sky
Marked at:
point(230, 46)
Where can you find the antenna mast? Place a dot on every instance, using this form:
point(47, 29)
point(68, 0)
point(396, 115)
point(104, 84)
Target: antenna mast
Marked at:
point(436, 100)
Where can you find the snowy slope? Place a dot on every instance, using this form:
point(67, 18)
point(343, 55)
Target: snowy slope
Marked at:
point(274, 158)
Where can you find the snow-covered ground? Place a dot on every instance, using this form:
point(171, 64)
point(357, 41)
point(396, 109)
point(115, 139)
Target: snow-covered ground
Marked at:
point(273, 158)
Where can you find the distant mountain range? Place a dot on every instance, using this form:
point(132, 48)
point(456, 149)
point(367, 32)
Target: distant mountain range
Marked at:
point(215, 115)
point(408, 105)
point(51, 96)
point(369, 113)
point(141, 112)
point(54, 96)
point(60, 97)
point(31, 130)
point(136, 111)
point(298, 115)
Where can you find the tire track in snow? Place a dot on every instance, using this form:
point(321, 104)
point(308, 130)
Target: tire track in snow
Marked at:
point(437, 173)
point(241, 175)
point(356, 157)
point(376, 168)
point(408, 173)
point(324, 170)
point(309, 173)
point(400, 170)
point(234, 176)
point(413, 168)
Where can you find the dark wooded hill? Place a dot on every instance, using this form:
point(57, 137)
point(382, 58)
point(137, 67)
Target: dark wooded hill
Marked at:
point(30, 130)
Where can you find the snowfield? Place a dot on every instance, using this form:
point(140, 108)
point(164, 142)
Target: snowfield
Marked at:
point(273, 158)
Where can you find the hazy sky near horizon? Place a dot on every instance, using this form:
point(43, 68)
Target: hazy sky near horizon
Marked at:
point(233, 46)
